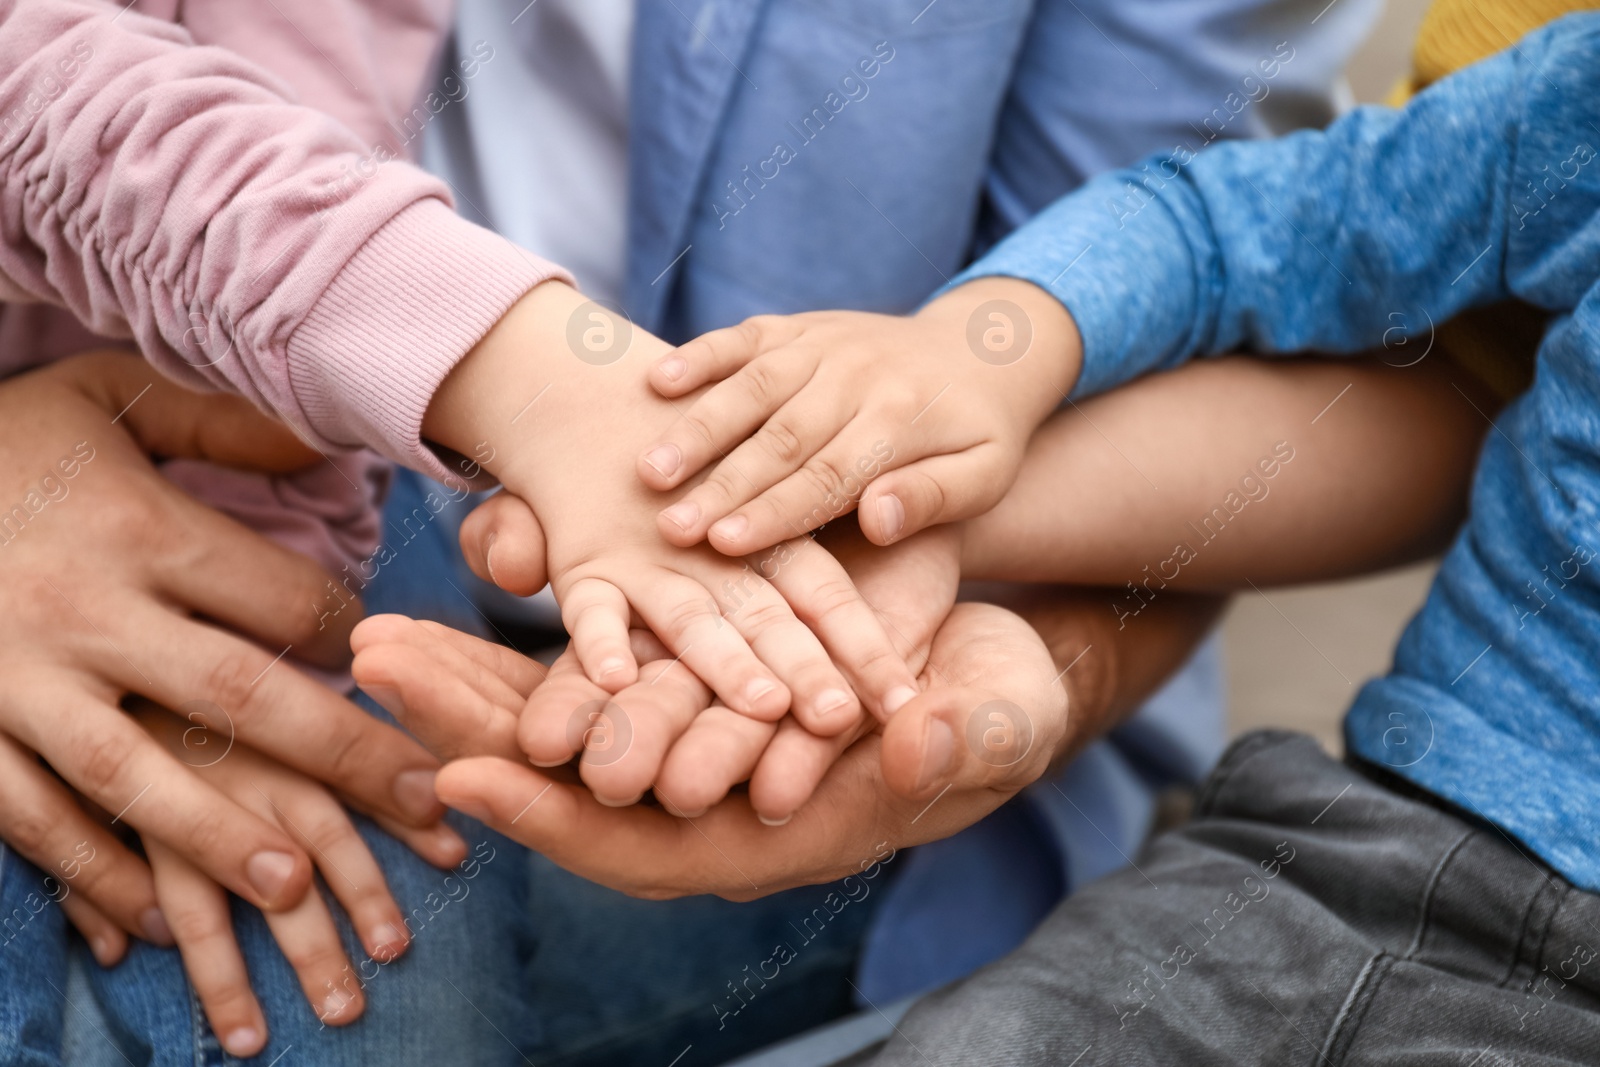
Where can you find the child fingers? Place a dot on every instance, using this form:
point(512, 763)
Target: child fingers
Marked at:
point(822, 596)
point(439, 845)
point(626, 741)
point(791, 768)
point(596, 614)
point(820, 697)
point(476, 663)
point(552, 726)
point(197, 908)
point(718, 750)
point(714, 355)
point(346, 864)
point(310, 942)
point(106, 940)
point(503, 543)
point(689, 622)
point(734, 410)
point(821, 489)
point(935, 490)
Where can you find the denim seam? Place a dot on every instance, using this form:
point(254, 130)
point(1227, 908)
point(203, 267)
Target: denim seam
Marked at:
point(1363, 991)
point(1425, 912)
point(1518, 952)
point(1239, 753)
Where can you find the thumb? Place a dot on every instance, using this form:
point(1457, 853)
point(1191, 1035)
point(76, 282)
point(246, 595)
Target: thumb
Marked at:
point(503, 543)
point(935, 490)
point(172, 422)
point(962, 738)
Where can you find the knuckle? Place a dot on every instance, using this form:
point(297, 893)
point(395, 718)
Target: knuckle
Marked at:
point(348, 759)
point(766, 614)
point(315, 958)
point(684, 615)
point(230, 684)
point(28, 829)
point(762, 384)
point(782, 442)
point(103, 762)
point(209, 832)
point(196, 927)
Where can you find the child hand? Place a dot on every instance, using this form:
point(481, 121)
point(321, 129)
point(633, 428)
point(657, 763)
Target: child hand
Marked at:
point(560, 430)
point(197, 908)
point(923, 419)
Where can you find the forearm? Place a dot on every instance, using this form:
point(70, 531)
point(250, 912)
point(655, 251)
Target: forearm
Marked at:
point(1237, 471)
point(1108, 670)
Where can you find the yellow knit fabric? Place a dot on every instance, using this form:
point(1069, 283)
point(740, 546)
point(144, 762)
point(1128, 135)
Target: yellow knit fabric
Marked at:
point(1496, 343)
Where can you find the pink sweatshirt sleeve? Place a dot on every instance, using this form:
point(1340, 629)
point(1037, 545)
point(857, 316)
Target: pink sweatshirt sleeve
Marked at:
point(173, 193)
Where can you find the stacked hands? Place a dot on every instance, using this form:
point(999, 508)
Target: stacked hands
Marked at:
point(714, 641)
point(667, 496)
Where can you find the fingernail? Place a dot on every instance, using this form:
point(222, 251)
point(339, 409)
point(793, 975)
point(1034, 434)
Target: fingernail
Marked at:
point(672, 368)
point(488, 556)
point(611, 666)
point(664, 460)
point(832, 700)
point(333, 1005)
point(936, 756)
point(269, 872)
point(689, 814)
point(683, 514)
point(774, 822)
point(243, 1042)
point(731, 528)
point(891, 516)
point(101, 949)
point(756, 690)
point(386, 937)
point(413, 791)
point(155, 928)
point(897, 698)
point(628, 803)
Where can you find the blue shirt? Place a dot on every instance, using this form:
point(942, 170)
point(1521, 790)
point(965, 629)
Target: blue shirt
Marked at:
point(1486, 186)
point(789, 156)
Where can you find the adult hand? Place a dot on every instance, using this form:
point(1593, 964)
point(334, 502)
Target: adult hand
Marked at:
point(701, 751)
point(116, 583)
point(942, 763)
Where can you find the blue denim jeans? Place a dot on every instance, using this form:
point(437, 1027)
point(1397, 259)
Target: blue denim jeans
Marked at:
point(513, 961)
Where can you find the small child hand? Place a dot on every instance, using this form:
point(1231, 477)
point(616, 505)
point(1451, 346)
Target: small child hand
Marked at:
point(922, 419)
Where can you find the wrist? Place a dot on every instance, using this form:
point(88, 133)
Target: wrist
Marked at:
point(1017, 328)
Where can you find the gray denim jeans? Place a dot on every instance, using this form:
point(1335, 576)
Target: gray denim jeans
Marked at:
point(1313, 912)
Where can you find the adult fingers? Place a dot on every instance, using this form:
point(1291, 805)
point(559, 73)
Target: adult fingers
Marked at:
point(482, 665)
point(729, 413)
point(935, 490)
point(443, 709)
point(43, 822)
point(107, 757)
point(715, 355)
point(211, 957)
point(256, 587)
point(242, 692)
point(503, 543)
point(596, 614)
point(821, 594)
point(439, 845)
point(169, 420)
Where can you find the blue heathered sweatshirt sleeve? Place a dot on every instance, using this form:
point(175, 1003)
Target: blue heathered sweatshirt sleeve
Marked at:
point(1326, 240)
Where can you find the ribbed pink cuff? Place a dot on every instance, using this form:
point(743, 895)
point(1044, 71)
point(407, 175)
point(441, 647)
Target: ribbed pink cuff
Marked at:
point(407, 307)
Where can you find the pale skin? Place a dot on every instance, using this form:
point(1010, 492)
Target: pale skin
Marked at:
point(120, 586)
point(1105, 488)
